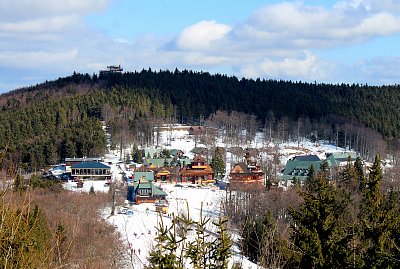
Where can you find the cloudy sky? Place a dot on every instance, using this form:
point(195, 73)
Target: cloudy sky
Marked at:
point(351, 41)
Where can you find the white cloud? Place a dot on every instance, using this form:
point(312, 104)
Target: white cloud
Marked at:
point(51, 24)
point(297, 25)
point(22, 10)
point(37, 59)
point(309, 67)
point(376, 71)
point(201, 36)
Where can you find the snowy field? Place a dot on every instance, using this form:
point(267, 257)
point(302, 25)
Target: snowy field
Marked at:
point(138, 230)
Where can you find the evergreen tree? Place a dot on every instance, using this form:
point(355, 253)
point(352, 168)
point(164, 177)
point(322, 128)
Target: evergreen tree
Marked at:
point(91, 190)
point(296, 182)
point(218, 165)
point(175, 249)
point(309, 182)
point(318, 230)
point(25, 239)
point(378, 217)
point(349, 178)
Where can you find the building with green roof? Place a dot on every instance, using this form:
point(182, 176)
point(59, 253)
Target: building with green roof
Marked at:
point(340, 159)
point(152, 152)
point(143, 173)
point(144, 191)
point(157, 162)
point(298, 167)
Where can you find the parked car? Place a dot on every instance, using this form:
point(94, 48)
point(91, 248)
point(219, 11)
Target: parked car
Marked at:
point(122, 210)
point(129, 212)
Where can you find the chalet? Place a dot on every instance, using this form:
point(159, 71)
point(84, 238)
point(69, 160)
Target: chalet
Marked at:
point(198, 172)
point(165, 174)
point(251, 154)
point(182, 162)
point(246, 173)
point(298, 167)
point(91, 170)
point(143, 172)
point(144, 191)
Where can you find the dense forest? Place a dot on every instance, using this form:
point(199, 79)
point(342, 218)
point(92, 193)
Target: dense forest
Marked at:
point(43, 124)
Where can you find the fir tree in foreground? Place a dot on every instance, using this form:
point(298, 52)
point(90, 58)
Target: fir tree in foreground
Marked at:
point(175, 249)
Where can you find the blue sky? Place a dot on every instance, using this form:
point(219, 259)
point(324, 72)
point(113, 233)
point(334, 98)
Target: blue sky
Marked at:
point(350, 41)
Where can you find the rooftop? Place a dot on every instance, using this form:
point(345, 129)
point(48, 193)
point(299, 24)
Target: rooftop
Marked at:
point(90, 165)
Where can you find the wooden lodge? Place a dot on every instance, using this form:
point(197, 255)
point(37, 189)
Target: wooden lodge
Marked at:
point(144, 191)
point(198, 172)
point(165, 174)
point(246, 172)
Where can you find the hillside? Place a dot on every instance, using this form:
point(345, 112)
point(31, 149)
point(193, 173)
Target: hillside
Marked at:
point(47, 122)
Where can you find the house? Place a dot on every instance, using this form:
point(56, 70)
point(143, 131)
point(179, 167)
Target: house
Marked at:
point(143, 172)
point(165, 174)
point(246, 173)
point(144, 191)
point(198, 172)
point(251, 154)
point(58, 170)
point(298, 167)
point(182, 162)
point(177, 153)
point(199, 151)
point(197, 130)
point(340, 159)
point(91, 170)
point(202, 130)
point(157, 162)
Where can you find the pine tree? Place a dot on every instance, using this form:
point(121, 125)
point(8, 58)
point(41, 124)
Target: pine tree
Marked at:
point(91, 190)
point(309, 182)
point(218, 165)
point(318, 231)
point(296, 183)
point(174, 249)
point(378, 222)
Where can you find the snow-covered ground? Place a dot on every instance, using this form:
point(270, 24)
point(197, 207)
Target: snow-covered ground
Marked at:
point(138, 230)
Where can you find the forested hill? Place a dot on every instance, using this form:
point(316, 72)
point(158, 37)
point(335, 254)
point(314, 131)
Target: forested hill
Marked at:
point(195, 94)
point(61, 117)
